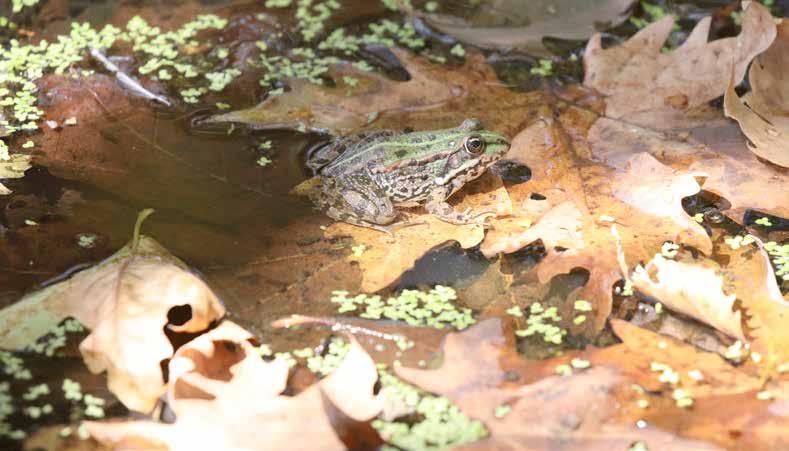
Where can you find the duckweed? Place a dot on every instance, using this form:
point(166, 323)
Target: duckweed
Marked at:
point(434, 308)
point(441, 424)
point(539, 323)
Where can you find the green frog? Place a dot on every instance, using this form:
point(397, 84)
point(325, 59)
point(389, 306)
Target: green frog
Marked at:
point(366, 177)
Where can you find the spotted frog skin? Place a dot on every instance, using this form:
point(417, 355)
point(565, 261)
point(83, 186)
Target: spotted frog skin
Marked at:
point(366, 177)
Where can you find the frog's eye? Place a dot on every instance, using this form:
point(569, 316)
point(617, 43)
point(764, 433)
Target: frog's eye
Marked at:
point(474, 145)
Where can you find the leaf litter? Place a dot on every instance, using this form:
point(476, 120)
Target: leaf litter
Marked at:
point(612, 163)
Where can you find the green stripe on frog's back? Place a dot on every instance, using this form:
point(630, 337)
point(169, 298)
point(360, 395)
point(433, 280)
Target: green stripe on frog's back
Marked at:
point(410, 148)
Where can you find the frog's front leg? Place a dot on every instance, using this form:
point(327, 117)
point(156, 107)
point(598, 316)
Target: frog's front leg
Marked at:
point(357, 200)
point(437, 205)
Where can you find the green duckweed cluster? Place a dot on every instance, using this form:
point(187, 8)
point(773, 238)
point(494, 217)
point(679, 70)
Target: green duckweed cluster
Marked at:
point(324, 364)
point(56, 338)
point(32, 403)
point(161, 53)
point(434, 308)
point(311, 18)
point(655, 13)
point(539, 323)
point(441, 424)
point(6, 409)
point(779, 254)
point(19, 5)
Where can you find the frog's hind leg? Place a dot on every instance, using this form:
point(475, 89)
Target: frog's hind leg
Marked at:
point(357, 200)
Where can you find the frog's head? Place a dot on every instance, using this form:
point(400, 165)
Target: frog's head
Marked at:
point(472, 150)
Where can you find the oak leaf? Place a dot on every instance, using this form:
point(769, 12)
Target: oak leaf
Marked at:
point(636, 76)
point(225, 396)
point(763, 113)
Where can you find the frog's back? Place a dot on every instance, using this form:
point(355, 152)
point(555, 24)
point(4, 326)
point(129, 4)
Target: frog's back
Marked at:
point(367, 152)
point(346, 155)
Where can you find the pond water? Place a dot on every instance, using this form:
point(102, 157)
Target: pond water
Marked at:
point(223, 191)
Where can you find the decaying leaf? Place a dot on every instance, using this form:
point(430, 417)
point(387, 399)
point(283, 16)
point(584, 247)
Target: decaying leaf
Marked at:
point(740, 298)
point(636, 76)
point(343, 108)
point(563, 19)
point(712, 147)
point(435, 97)
point(693, 287)
point(583, 409)
point(763, 113)
point(385, 258)
point(225, 396)
point(13, 168)
point(589, 213)
point(127, 302)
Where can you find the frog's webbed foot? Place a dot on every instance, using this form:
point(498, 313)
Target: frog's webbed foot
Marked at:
point(446, 213)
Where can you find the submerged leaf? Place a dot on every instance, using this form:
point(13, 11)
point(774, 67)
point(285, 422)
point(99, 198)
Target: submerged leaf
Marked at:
point(563, 19)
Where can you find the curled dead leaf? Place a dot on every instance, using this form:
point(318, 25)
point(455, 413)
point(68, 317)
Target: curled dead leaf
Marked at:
point(740, 298)
point(126, 302)
point(226, 397)
point(763, 114)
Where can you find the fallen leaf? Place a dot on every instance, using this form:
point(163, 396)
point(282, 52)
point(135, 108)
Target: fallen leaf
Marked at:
point(169, 169)
point(127, 302)
point(562, 19)
point(693, 287)
point(740, 298)
point(436, 96)
point(711, 147)
point(763, 113)
point(225, 396)
point(592, 213)
point(342, 109)
point(637, 77)
point(582, 410)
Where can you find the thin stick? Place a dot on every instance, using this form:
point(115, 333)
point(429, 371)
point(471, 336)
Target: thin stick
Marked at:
point(126, 81)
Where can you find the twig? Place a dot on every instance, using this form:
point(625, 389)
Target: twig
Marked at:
point(126, 81)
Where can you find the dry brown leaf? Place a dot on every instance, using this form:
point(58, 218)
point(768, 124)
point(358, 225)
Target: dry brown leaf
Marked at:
point(637, 77)
point(342, 109)
point(125, 302)
point(582, 410)
point(386, 257)
point(763, 114)
point(169, 169)
point(640, 347)
point(437, 96)
point(740, 298)
point(13, 168)
point(710, 146)
point(591, 213)
point(693, 287)
point(750, 275)
point(563, 19)
point(226, 397)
